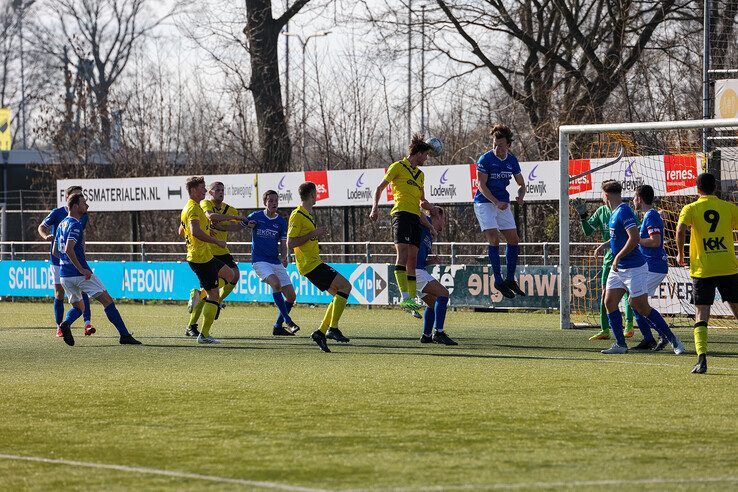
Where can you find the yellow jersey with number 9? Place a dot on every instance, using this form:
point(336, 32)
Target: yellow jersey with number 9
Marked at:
point(711, 249)
point(197, 251)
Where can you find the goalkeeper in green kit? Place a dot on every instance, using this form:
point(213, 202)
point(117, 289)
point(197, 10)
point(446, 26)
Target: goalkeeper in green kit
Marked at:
point(590, 224)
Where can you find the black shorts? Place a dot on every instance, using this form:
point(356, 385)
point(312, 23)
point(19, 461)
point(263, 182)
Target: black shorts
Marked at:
point(704, 289)
point(322, 276)
point(406, 228)
point(227, 259)
point(207, 273)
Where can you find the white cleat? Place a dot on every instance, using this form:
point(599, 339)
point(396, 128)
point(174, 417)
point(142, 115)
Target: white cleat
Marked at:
point(679, 348)
point(615, 349)
point(206, 340)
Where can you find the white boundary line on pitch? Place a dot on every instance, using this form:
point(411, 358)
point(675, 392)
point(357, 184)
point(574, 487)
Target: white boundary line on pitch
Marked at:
point(560, 484)
point(165, 473)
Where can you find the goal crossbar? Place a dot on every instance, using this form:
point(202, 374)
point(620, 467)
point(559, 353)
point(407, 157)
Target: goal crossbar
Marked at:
point(564, 132)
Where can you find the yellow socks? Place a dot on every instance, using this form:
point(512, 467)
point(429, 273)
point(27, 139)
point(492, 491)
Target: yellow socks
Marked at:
point(412, 285)
point(700, 337)
point(225, 289)
point(208, 313)
point(401, 277)
point(326, 323)
point(339, 303)
point(196, 311)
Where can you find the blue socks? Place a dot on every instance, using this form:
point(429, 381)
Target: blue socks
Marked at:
point(511, 259)
point(58, 310)
point(72, 315)
point(86, 314)
point(494, 261)
point(280, 318)
point(440, 310)
point(660, 326)
point(645, 326)
point(114, 317)
point(616, 326)
point(282, 307)
point(428, 320)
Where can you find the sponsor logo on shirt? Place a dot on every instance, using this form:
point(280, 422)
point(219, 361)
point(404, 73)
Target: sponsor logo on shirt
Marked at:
point(714, 244)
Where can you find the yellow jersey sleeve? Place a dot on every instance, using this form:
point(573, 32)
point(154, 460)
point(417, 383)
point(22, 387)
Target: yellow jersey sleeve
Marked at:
point(407, 186)
point(225, 209)
point(207, 206)
point(197, 251)
point(391, 173)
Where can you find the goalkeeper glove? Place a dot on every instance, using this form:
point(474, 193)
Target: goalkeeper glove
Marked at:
point(581, 207)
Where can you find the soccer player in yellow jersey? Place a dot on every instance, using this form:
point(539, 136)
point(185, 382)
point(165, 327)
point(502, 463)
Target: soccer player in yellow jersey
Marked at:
point(195, 227)
point(223, 218)
point(712, 260)
point(302, 236)
point(407, 187)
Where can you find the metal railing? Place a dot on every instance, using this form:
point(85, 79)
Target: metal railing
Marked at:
point(452, 253)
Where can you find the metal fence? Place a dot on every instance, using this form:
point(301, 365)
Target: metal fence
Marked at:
point(449, 253)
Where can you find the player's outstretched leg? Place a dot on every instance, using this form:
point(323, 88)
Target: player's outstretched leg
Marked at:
point(59, 313)
point(111, 311)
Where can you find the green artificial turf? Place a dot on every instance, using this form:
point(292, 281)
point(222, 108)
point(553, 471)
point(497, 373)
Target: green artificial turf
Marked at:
point(518, 404)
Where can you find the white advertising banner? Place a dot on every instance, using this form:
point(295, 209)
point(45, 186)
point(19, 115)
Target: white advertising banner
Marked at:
point(155, 193)
point(668, 174)
point(726, 98)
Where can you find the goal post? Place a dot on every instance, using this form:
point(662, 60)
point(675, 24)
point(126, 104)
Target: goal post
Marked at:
point(634, 146)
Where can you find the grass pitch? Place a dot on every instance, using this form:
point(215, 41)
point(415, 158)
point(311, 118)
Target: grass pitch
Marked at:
point(519, 404)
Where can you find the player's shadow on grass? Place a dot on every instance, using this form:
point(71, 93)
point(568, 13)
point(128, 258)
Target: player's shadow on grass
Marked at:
point(206, 346)
point(464, 355)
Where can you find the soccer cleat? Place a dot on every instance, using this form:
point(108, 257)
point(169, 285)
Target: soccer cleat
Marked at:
point(645, 345)
point(320, 340)
point(701, 366)
point(426, 338)
point(206, 340)
point(660, 344)
point(89, 329)
point(502, 288)
point(281, 331)
point(416, 314)
point(335, 334)
point(293, 328)
point(192, 331)
point(513, 286)
point(128, 340)
point(441, 338)
point(679, 347)
point(410, 305)
point(194, 300)
point(629, 333)
point(615, 349)
point(59, 332)
point(602, 335)
point(67, 333)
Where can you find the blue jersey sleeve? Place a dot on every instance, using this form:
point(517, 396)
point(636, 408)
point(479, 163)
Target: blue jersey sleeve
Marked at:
point(652, 224)
point(75, 232)
point(283, 225)
point(482, 164)
point(55, 217)
point(516, 167)
point(251, 216)
point(627, 218)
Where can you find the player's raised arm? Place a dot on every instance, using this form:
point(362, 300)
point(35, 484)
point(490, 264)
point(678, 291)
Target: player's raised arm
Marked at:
point(296, 242)
point(196, 231)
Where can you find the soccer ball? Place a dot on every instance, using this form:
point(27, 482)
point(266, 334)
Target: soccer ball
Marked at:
point(436, 146)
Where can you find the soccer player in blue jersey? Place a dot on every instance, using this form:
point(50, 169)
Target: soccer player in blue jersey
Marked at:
point(77, 277)
point(495, 168)
point(430, 290)
point(629, 272)
point(47, 229)
point(269, 258)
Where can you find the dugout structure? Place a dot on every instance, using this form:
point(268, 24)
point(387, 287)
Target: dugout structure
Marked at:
point(665, 155)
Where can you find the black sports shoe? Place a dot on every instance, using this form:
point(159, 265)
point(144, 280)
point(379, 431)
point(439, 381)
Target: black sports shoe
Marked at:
point(319, 339)
point(512, 285)
point(443, 339)
point(426, 338)
point(663, 342)
point(281, 331)
point(192, 331)
point(293, 327)
point(645, 345)
point(66, 330)
point(504, 290)
point(335, 334)
point(701, 366)
point(128, 340)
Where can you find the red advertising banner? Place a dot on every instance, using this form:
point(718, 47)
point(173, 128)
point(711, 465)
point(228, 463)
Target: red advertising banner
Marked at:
point(680, 171)
point(579, 185)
